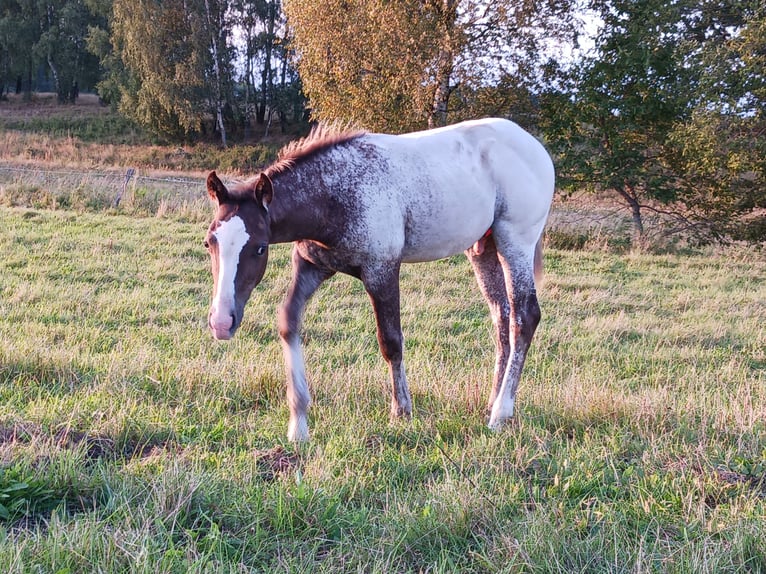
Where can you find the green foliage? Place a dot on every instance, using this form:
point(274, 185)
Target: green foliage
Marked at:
point(721, 147)
point(608, 128)
point(31, 492)
point(723, 159)
point(49, 34)
point(566, 239)
point(165, 50)
point(112, 129)
point(267, 57)
point(172, 66)
point(364, 61)
point(19, 497)
point(18, 34)
point(666, 114)
point(408, 64)
point(114, 74)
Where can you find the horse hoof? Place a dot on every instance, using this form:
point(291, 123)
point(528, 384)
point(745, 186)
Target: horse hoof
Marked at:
point(401, 413)
point(298, 431)
point(495, 426)
point(497, 423)
point(502, 412)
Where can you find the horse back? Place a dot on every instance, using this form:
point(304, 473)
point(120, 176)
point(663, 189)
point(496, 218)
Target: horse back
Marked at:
point(452, 184)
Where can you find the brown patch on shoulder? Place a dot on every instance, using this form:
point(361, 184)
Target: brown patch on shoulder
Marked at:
point(275, 461)
point(321, 137)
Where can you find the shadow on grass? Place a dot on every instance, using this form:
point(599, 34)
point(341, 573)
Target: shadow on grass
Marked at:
point(94, 446)
point(53, 474)
point(55, 378)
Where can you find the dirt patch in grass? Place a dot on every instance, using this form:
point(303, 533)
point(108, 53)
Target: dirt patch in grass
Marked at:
point(19, 433)
point(95, 446)
point(274, 462)
point(753, 482)
point(723, 482)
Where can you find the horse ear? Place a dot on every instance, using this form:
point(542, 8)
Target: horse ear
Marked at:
point(216, 189)
point(264, 191)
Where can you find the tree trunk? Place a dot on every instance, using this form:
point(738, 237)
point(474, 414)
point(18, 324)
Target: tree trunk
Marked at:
point(248, 77)
point(266, 73)
point(637, 222)
point(438, 116)
point(447, 13)
point(28, 86)
point(282, 83)
point(217, 70)
point(635, 212)
point(56, 81)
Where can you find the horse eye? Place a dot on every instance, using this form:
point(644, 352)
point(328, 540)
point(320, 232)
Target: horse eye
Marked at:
point(261, 249)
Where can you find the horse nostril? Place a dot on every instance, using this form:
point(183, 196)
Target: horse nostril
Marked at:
point(233, 321)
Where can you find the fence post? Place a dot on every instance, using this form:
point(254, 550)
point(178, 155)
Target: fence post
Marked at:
point(128, 176)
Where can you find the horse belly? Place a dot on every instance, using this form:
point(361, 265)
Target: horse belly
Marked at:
point(449, 231)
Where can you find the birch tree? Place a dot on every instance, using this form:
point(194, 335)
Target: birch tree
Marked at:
point(406, 64)
point(176, 64)
point(214, 27)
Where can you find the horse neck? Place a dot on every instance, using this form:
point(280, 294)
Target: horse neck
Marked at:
point(299, 211)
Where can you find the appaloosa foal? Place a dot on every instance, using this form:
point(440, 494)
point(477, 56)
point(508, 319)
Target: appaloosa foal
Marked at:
point(363, 204)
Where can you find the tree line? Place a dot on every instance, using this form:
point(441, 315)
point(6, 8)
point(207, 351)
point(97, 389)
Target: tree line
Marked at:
point(170, 65)
point(665, 110)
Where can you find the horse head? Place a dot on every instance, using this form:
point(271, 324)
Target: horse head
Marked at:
point(238, 243)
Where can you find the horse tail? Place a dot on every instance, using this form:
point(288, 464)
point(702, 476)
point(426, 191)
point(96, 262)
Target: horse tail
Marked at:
point(538, 265)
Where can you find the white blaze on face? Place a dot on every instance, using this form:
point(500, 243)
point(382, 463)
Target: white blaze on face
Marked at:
point(231, 237)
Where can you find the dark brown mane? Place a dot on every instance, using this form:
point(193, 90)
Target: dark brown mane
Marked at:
point(321, 137)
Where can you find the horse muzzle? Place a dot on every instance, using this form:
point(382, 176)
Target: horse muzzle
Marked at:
point(222, 326)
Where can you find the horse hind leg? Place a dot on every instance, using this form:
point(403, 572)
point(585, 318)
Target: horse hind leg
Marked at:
point(490, 277)
point(517, 259)
point(382, 285)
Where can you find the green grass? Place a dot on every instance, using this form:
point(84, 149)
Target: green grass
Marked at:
point(130, 441)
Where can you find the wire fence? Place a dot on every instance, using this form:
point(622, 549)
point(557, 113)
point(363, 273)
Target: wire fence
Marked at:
point(141, 193)
point(114, 179)
point(131, 190)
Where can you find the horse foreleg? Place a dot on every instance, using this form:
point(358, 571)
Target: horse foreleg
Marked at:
point(306, 279)
point(382, 285)
point(489, 276)
point(517, 264)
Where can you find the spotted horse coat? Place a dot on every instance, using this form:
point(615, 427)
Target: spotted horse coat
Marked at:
point(362, 204)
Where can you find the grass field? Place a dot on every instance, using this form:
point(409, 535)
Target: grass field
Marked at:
point(130, 441)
